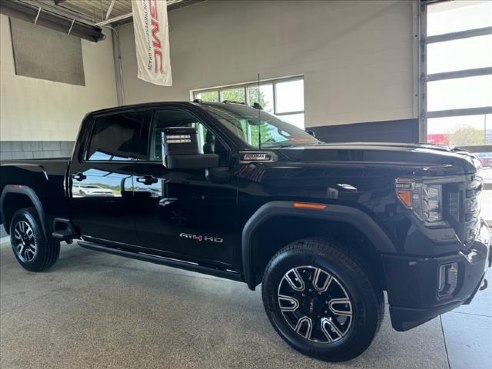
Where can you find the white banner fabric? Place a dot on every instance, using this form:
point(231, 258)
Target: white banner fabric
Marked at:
point(152, 41)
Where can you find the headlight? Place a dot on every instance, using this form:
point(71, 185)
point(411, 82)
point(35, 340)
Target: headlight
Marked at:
point(425, 200)
point(452, 201)
point(431, 203)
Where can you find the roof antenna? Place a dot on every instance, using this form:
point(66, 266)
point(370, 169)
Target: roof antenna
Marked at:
point(259, 114)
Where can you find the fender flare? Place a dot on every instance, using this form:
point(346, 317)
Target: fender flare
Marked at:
point(346, 214)
point(29, 192)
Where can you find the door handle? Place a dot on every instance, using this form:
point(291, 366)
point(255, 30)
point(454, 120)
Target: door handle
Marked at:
point(147, 180)
point(79, 176)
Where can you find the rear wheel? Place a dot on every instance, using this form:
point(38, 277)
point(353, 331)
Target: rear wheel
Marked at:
point(33, 250)
point(321, 299)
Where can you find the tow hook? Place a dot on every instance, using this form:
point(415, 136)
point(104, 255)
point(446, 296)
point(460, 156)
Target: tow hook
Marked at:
point(484, 285)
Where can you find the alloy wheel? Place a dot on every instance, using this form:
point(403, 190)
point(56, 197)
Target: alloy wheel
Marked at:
point(25, 245)
point(315, 304)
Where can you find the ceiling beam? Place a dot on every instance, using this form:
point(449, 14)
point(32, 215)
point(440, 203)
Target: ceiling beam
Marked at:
point(51, 20)
point(114, 20)
point(126, 17)
point(110, 9)
point(182, 4)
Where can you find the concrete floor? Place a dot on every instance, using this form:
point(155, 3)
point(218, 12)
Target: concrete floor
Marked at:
point(94, 310)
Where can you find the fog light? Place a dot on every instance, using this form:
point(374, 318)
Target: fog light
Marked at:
point(448, 280)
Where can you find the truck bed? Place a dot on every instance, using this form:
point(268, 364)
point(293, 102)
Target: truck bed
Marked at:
point(46, 177)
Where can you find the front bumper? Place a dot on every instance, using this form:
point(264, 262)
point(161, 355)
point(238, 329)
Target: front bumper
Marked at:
point(413, 283)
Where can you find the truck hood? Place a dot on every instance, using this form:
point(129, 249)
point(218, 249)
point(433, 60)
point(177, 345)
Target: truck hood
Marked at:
point(428, 158)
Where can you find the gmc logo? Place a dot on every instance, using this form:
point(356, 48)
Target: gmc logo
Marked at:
point(156, 43)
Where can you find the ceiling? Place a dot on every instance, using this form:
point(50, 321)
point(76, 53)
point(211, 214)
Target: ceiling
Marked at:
point(96, 9)
point(97, 12)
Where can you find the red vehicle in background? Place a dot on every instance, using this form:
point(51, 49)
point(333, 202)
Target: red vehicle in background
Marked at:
point(438, 139)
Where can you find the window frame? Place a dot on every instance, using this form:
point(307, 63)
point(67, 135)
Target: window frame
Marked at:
point(149, 135)
point(425, 77)
point(245, 87)
point(91, 127)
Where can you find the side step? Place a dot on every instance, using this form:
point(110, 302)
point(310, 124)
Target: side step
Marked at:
point(63, 230)
point(63, 235)
point(162, 260)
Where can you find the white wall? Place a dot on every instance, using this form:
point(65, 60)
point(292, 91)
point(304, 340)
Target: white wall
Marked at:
point(356, 56)
point(39, 110)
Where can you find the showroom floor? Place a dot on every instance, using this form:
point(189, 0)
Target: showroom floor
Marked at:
point(94, 310)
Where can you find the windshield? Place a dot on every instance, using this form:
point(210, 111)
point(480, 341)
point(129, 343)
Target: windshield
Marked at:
point(243, 121)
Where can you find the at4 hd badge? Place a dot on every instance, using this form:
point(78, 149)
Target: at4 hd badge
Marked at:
point(201, 238)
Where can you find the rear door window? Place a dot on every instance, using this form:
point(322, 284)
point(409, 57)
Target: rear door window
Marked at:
point(114, 137)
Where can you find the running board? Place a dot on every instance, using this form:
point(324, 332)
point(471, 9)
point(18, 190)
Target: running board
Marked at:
point(157, 259)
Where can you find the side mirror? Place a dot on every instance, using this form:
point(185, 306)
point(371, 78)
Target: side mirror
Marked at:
point(180, 150)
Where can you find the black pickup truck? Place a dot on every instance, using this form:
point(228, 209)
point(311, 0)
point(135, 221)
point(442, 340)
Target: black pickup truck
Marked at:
point(231, 191)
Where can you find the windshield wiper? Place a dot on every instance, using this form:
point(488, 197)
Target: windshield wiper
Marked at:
point(289, 144)
point(278, 144)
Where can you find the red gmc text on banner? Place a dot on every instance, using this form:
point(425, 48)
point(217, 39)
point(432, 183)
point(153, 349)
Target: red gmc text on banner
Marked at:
point(156, 42)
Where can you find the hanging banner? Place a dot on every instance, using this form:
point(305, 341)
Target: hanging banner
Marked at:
point(152, 41)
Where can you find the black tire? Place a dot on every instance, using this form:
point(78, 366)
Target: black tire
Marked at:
point(31, 248)
point(324, 329)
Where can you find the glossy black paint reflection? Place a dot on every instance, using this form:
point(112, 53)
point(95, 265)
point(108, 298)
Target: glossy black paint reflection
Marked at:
point(101, 202)
point(185, 215)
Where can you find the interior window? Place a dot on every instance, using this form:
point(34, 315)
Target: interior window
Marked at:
point(282, 97)
point(113, 137)
point(207, 142)
point(253, 126)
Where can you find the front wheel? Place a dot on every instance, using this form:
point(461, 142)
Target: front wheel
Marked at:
point(321, 300)
point(33, 250)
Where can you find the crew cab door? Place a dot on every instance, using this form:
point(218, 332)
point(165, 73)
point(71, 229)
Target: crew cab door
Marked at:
point(179, 212)
point(101, 177)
